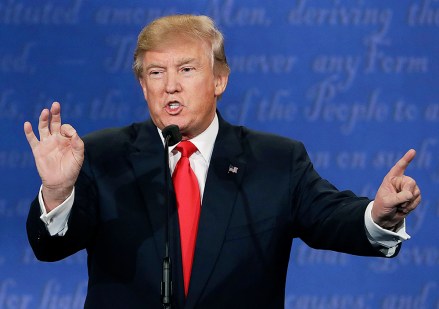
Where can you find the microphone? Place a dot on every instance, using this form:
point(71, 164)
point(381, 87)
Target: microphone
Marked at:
point(172, 136)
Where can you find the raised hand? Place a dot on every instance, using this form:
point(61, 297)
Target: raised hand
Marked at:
point(58, 154)
point(397, 196)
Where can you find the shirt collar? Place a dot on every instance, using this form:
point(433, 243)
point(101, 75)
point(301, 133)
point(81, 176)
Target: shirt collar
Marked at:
point(204, 141)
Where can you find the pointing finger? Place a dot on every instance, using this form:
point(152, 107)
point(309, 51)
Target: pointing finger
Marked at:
point(399, 168)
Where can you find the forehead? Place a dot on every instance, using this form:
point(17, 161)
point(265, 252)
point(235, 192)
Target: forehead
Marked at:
point(180, 47)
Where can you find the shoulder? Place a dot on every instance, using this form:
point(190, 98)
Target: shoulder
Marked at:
point(259, 142)
point(114, 140)
point(266, 139)
point(275, 148)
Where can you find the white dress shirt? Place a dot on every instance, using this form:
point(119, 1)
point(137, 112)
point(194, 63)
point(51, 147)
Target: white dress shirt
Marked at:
point(56, 221)
point(200, 159)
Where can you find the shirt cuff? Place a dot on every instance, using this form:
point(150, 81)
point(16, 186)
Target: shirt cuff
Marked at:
point(381, 238)
point(56, 220)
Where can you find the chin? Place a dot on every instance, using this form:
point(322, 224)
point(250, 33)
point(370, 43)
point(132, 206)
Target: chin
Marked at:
point(169, 122)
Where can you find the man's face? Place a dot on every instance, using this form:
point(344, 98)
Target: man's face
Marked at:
point(180, 87)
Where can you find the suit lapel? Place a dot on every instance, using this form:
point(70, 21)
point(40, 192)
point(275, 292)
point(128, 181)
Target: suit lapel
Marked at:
point(225, 173)
point(148, 165)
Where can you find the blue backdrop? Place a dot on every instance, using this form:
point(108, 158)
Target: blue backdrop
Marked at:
point(356, 81)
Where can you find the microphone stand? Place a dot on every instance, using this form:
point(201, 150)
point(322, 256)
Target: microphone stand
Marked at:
point(166, 284)
point(172, 136)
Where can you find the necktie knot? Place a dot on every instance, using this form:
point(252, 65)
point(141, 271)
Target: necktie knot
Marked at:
point(186, 148)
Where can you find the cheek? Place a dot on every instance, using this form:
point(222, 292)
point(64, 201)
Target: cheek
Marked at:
point(152, 97)
point(205, 90)
point(152, 89)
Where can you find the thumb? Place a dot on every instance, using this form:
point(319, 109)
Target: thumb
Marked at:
point(77, 143)
point(67, 131)
point(399, 198)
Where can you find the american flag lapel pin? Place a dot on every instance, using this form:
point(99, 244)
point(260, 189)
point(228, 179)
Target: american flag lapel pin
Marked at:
point(232, 169)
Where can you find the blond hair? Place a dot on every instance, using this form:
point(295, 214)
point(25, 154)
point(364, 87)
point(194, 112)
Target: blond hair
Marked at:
point(163, 29)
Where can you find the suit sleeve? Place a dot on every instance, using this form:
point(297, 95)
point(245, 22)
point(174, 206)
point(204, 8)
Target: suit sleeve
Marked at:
point(326, 217)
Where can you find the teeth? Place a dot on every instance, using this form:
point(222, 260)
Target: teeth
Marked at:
point(174, 105)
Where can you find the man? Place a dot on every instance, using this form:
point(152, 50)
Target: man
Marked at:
point(258, 191)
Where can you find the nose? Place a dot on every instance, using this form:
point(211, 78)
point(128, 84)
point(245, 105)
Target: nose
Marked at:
point(172, 83)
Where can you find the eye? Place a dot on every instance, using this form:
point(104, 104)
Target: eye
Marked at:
point(155, 73)
point(187, 69)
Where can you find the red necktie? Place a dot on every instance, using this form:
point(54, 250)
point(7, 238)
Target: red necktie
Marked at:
point(188, 204)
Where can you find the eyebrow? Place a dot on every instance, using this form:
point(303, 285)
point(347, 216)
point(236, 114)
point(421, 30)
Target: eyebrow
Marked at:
point(180, 62)
point(184, 61)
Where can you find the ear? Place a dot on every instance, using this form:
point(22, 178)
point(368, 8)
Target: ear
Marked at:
point(143, 85)
point(220, 83)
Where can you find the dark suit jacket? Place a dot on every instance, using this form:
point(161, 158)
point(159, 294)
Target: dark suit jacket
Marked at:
point(247, 223)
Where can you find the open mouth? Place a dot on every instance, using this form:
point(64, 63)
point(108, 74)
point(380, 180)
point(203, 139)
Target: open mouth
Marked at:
point(173, 107)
